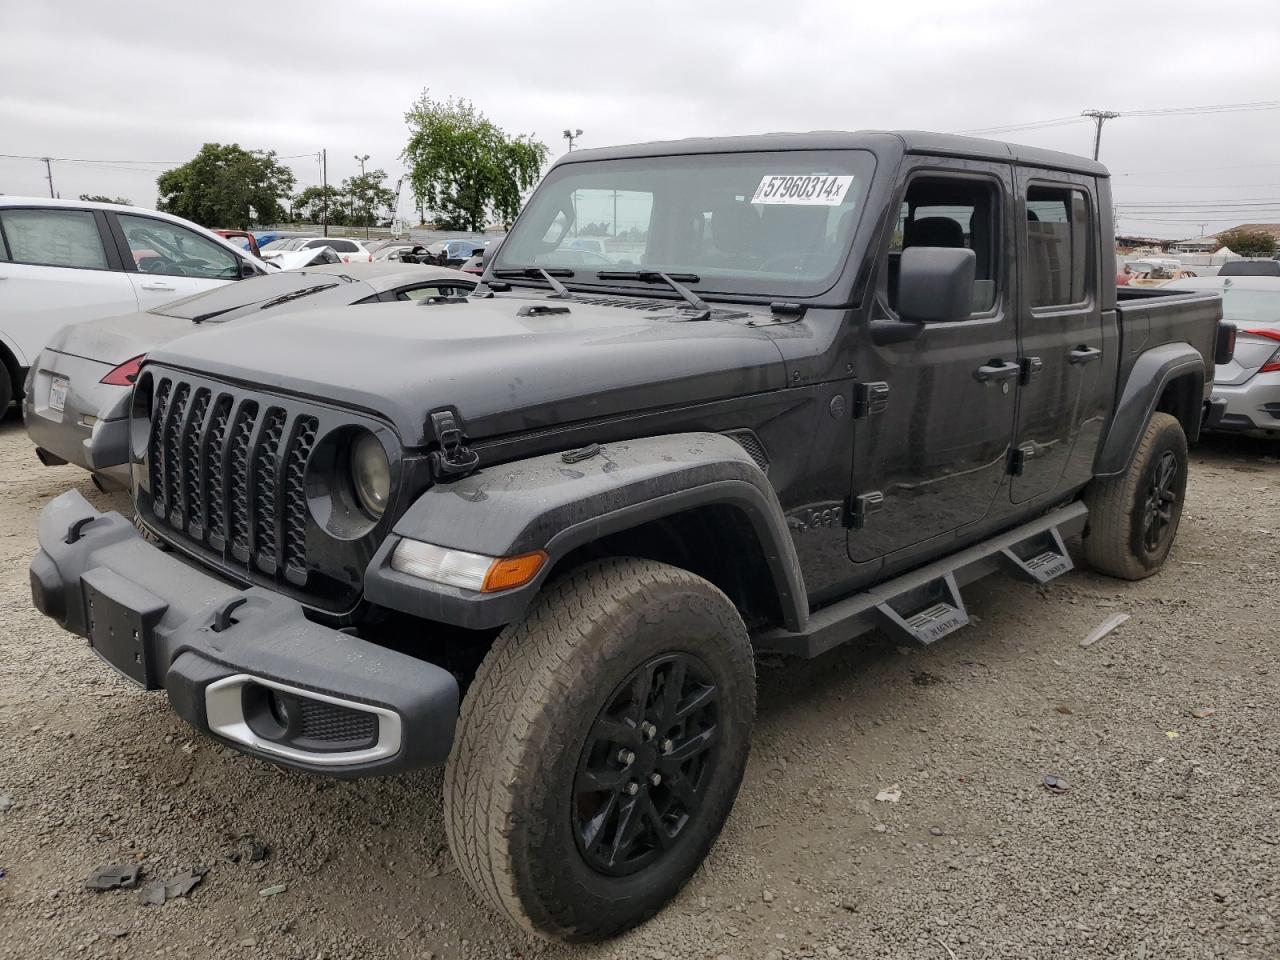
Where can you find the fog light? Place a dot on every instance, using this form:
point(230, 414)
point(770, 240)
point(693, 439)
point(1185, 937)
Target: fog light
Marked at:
point(469, 571)
point(279, 708)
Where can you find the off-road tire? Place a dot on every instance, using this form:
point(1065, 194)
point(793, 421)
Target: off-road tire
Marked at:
point(1114, 544)
point(510, 779)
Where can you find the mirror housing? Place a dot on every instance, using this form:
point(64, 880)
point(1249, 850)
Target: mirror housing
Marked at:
point(935, 284)
point(247, 269)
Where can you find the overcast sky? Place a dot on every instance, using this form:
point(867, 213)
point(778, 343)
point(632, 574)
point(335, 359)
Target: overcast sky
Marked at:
point(152, 81)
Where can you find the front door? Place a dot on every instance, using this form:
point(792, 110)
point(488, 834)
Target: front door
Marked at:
point(938, 452)
point(170, 261)
point(1060, 326)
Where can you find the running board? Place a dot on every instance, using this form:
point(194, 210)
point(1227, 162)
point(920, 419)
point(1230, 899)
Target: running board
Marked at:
point(925, 605)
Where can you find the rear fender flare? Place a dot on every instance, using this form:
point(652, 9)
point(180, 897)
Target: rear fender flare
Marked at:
point(1151, 373)
point(546, 503)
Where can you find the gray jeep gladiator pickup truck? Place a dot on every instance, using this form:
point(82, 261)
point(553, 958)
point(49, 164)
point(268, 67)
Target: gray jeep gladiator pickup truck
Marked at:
point(817, 384)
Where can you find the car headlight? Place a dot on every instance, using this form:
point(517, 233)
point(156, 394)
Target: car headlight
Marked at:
point(370, 474)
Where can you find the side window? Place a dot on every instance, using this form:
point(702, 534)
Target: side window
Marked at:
point(1057, 268)
point(166, 248)
point(944, 212)
point(54, 238)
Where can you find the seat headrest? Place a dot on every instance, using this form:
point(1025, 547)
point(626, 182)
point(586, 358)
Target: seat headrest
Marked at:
point(933, 232)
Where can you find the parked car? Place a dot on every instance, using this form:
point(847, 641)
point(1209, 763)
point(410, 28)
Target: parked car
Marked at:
point(77, 391)
point(590, 244)
point(611, 488)
point(348, 249)
point(454, 253)
point(397, 249)
point(242, 239)
point(64, 260)
point(1250, 268)
point(1248, 386)
point(475, 265)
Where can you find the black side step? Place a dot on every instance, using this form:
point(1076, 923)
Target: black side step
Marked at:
point(925, 604)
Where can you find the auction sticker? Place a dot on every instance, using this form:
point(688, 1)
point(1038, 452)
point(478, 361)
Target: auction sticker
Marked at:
point(820, 190)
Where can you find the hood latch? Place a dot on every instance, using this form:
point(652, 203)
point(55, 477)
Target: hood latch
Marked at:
point(454, 459)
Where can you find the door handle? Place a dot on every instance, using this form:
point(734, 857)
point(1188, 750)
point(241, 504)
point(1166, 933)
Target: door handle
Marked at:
point(996, 370)
point(1083, 354)
point(158, 286)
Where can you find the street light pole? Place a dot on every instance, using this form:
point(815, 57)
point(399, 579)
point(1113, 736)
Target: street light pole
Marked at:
point(360, 160)
point(572, 135)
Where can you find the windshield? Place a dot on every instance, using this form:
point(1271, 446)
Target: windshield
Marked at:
point(1251, 306)
point(750, 223)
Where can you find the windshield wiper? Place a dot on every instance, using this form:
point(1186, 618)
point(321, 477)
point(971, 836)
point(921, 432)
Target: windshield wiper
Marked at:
point(295, 295)
point(539, 273)
point(670, 279)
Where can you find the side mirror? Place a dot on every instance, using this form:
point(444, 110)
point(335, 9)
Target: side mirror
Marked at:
point(936, 283)
point(247, 269)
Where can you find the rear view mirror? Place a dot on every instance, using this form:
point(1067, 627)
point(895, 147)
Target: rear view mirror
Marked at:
point(935, 284)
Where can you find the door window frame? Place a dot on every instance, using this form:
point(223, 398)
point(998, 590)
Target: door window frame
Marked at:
point(1002, 275)
point(1039, 177)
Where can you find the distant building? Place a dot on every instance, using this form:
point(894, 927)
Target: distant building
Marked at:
point(1210, 244)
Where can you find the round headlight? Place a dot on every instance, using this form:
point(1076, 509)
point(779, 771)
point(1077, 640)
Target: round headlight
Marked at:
point(370, 474)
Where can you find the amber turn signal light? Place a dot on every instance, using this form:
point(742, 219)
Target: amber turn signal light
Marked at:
point(508, 572)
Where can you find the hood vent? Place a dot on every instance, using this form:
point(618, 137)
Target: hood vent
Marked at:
point(627, 303)
point(752, 444)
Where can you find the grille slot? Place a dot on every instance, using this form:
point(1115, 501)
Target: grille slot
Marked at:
point(214, 442)
point(295, 496)
point(332, 724)
point(264, 489)
point(192, 494)
point(155, 447)
point(238, 481)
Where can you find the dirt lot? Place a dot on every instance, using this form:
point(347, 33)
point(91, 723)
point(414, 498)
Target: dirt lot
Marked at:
point(1167, 844)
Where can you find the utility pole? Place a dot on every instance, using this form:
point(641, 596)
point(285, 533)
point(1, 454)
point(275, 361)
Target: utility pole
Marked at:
point(324, 190)
point(360, 160)
point(572, 135)
point(1099, 117)
point(48, 174)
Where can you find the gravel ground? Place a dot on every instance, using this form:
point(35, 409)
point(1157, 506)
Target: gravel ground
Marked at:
point(1166, 845)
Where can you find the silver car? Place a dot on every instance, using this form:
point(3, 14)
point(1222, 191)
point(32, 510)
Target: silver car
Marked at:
point(1250, 383)
point(77, 392)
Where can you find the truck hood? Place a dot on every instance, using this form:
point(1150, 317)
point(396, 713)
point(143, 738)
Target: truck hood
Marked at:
point(503, 372)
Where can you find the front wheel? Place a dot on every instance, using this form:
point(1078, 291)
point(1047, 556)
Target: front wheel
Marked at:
point(600, 749)
point(1133, 518)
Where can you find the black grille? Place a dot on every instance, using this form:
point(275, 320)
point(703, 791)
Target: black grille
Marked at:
point(627, 303)
point(751, 443)
point(295, 496)
point(238, 479)
point(330, 723)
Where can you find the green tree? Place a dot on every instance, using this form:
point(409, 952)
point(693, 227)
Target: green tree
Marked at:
point(367, 197)
point(463, 167)
point(99, 198)
point(1249, 243)
point(225, 185)
point(309, 205)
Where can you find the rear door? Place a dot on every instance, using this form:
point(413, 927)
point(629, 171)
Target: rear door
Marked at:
point(167, 261)
point(57, 266)
point(1059, 328)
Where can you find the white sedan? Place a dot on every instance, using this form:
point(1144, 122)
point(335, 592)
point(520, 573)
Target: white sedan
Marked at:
point(62, 261)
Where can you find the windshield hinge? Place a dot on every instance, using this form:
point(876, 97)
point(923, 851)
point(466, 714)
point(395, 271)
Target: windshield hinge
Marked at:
point(454, 459)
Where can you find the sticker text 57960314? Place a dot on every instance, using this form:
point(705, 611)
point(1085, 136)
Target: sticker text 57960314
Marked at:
point(811, 190)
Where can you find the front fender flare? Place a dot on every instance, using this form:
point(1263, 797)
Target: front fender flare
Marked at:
point(544, 503)
point(1154, 370)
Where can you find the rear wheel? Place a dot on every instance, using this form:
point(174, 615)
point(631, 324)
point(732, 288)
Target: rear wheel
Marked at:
point(6, 390)
point(1133, 518)
point(600, 749)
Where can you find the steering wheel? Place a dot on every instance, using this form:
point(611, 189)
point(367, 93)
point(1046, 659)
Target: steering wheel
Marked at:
point(160, 265)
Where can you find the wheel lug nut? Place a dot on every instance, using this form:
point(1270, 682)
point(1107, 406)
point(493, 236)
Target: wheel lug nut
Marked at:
point(655, 779)
point(633, 788)
point(649, 730)
point(667, 745)
point(626, 757)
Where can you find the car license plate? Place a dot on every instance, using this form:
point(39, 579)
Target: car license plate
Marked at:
point(58, 393)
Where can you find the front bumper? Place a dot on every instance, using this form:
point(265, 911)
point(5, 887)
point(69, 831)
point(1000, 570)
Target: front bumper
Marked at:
point(92, 428)
point(245, 666)
point(1252, 407)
